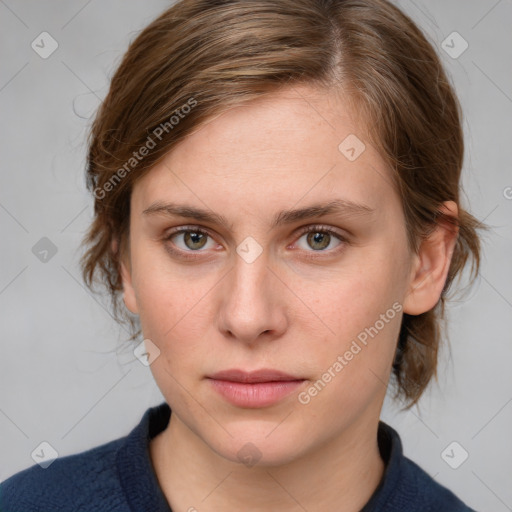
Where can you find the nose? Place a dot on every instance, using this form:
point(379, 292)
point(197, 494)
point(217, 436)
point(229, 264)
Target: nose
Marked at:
point(252, 307)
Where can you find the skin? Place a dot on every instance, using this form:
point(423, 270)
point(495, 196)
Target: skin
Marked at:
point(283, 311)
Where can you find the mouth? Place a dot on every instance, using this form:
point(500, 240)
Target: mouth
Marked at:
point(254, 377)
point(256, 389)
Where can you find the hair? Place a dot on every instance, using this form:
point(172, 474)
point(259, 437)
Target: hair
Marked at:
point(201, 57)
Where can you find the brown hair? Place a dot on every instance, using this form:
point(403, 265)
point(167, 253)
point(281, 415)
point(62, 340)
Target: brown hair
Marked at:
point(201, 57)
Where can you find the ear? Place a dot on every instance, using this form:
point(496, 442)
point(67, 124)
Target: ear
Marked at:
point(129, 297)
point(430, 266)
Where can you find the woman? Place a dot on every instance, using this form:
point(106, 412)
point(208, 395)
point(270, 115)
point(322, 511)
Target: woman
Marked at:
point(276, 189)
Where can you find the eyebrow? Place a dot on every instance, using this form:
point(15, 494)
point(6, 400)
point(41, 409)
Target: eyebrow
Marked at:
point(340, 207)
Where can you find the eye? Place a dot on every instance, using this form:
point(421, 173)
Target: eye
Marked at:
point(190, 239)
point(319, 238)
point(186, 240)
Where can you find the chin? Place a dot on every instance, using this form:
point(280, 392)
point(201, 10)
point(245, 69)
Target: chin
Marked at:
point(255, 447)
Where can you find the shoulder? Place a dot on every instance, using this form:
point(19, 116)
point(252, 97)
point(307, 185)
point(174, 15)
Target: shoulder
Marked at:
point(116, 476)
point(406, 486)
point(432, 496)
point(70, 483)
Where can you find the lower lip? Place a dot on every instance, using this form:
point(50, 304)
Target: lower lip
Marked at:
point(260, 394)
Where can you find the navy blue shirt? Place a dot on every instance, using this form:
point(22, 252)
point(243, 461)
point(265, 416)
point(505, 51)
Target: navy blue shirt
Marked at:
point(119, 477)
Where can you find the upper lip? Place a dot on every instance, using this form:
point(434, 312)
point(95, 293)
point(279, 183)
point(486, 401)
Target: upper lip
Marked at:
point(263, 375)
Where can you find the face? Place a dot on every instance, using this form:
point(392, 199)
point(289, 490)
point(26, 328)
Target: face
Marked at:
point(302, 267)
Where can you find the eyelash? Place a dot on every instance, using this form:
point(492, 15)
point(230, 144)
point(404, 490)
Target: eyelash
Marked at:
point(307, 229)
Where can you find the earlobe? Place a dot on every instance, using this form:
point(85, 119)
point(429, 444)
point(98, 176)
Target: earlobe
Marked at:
point(129, 296)
point(430, 267)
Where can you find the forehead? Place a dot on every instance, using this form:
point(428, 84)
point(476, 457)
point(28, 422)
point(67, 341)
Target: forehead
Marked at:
point(297, 145)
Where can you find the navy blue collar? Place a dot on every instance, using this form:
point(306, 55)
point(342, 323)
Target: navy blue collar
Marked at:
point(143, 491)
point(136, 472)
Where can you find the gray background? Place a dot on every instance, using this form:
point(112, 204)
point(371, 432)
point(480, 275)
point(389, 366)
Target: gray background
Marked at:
point(64, 377)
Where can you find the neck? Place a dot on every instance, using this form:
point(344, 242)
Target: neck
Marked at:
point(347, 470)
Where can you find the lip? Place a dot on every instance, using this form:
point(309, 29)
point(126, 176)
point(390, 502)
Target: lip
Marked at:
point(263, 375)
point(259, 388)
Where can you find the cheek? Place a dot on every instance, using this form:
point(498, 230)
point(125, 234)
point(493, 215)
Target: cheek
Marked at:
point(353, 296)
point(168, 303)
point(353, 365)
point(172, 316)
point(362, 308)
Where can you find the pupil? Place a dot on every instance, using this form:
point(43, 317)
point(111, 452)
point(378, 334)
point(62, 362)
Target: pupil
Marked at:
point(198, 240)
point(318, 238)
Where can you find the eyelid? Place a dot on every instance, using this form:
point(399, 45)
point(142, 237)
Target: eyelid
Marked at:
point(181, 229)
point(321, 228)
